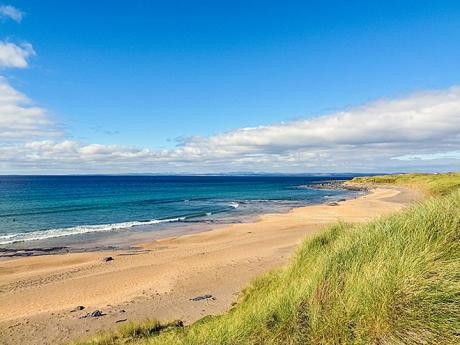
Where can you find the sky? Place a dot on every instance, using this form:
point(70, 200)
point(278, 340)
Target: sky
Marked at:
point(229, 86)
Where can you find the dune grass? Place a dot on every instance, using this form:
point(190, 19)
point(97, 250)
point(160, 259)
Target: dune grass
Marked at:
point(432, 184)
point(131, 332)
point(395, 280)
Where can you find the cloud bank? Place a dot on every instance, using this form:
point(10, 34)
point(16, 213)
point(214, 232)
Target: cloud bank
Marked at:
point(415, 132)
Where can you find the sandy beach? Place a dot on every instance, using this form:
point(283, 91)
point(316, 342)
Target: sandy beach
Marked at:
point(159, 280)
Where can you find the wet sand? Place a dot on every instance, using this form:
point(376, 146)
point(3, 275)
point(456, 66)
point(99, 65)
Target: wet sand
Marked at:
point(159, 279)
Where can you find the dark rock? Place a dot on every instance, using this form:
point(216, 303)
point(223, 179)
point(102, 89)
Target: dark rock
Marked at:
point(107, 259)
point(96, 313)
point(200, 298)
point(178, 323)
point(336, 184)
point(332, 204)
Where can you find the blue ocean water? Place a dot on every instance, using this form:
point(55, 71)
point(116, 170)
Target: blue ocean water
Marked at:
point(34, 208)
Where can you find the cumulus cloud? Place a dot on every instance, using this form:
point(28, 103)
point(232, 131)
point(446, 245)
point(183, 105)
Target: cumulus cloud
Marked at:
point(384, 135)
point(421, 118)
point(7, 11)
point(19, 118)
point(12, 55)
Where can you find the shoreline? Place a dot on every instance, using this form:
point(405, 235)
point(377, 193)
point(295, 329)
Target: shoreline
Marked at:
point(161, 278)
point(133, 241)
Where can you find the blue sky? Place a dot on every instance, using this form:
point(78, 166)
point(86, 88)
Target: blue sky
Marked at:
point(152, 74)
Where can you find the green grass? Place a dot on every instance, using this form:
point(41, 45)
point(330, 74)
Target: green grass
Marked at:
point(395, 280)
point(131, 332)
point(433, 184)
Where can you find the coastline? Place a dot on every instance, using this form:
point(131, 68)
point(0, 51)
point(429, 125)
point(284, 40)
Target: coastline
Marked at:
point(127, 240)
point(160, 278)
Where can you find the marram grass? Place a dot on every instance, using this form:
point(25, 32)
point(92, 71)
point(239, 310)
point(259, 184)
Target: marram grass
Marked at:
point(395, 280)
point(432, 184)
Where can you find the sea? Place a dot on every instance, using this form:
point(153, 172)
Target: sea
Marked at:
point(39, 211)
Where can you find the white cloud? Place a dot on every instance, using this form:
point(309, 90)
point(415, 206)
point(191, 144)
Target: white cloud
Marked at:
point(430, 156)
point(419, 118)
point(19, 118)
point(7, 11)
point(371, 137)
point(12, 55)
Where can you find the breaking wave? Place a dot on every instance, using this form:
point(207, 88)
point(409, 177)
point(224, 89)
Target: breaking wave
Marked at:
point(76, 230)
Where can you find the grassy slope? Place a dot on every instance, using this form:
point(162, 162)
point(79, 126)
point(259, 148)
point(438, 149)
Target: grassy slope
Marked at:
point(433, 184)
point(395, 280)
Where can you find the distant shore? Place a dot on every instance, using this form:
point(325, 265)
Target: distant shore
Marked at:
point(41, 295)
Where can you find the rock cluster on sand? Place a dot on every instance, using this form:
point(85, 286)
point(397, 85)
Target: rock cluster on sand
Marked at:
point(337, 184)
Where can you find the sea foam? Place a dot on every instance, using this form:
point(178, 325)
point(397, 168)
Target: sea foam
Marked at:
point(234, 204)
point(76, 230)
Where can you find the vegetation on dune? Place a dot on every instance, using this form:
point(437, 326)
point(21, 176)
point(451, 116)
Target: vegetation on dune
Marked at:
point(433, 184)
point(394, 280)
point(132, 332)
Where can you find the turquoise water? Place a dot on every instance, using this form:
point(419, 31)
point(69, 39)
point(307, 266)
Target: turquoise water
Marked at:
point(37, 208)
